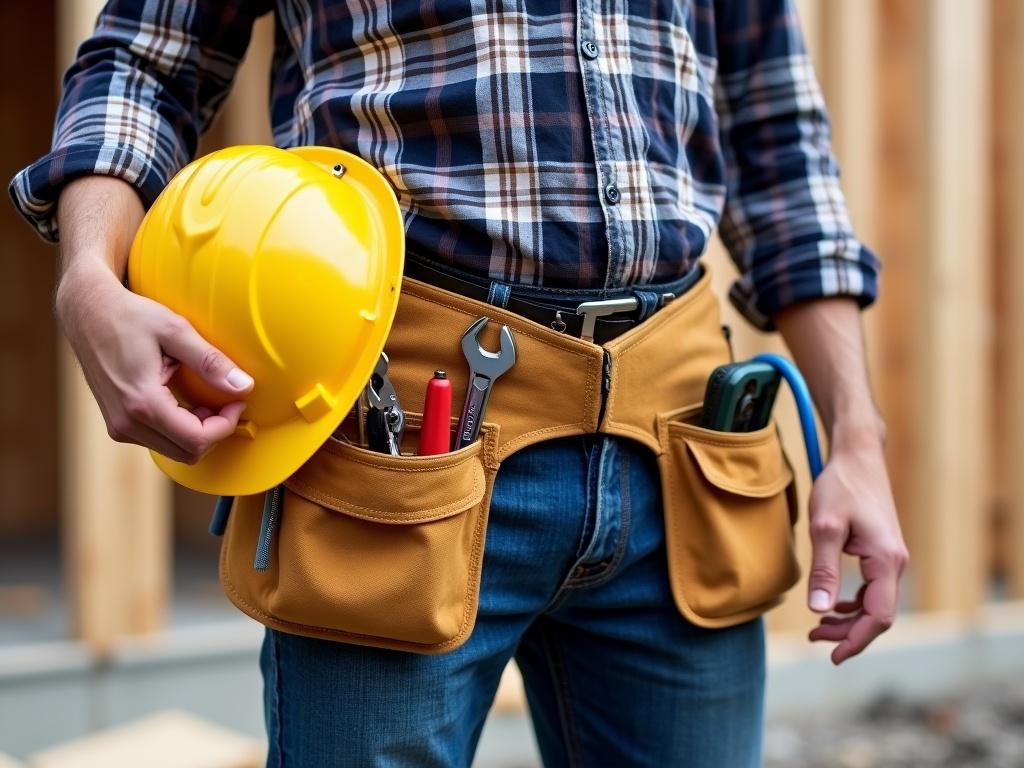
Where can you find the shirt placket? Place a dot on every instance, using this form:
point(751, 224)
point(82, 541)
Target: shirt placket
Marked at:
point(597, 84)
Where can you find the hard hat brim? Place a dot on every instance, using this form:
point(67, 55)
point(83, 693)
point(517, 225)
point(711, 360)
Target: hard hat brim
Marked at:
point(240, 466)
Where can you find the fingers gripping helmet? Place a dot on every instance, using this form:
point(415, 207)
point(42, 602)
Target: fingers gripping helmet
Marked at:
point(290, 262)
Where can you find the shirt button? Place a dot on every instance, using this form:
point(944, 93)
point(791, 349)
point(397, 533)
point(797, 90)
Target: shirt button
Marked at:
point(612, 194)
point(589, 49)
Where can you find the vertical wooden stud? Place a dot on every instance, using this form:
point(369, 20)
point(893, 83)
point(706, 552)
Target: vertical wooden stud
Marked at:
point(952, 465)
point(899, 182)
point(1008, 114)
point(115, 505)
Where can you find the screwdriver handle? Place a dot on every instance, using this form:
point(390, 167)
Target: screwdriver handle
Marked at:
point(435, 434)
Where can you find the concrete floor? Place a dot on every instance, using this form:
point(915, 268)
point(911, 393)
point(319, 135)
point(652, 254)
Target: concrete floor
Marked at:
point(52, 690)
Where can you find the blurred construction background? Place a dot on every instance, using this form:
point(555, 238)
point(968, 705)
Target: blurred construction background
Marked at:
point(110, 610)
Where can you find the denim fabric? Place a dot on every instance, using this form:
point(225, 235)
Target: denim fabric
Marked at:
point(574, 587)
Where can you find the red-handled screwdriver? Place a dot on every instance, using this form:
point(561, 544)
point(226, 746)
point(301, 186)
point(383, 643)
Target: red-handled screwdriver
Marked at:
point(435, 434)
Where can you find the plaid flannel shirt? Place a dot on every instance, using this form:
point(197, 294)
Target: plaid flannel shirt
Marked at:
point(581, 144)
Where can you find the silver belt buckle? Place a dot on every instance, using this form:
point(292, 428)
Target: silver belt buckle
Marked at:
point(591, 310)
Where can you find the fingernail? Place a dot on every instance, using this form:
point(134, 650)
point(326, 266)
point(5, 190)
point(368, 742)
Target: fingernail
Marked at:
point(819, 600)
point(239, 379)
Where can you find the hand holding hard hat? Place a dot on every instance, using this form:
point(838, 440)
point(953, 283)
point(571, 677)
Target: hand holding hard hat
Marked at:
point(289, 261)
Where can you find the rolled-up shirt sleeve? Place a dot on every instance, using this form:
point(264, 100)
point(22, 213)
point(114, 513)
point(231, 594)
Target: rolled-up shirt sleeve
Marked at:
point(141, 90)
point(785, 221)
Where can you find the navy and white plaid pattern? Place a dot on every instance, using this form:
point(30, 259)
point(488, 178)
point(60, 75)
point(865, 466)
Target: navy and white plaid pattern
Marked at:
point(559, 143)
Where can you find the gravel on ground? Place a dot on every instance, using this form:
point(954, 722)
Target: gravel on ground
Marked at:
point(980, 728)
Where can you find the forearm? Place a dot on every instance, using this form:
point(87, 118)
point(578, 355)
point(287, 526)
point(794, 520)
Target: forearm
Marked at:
point(826, 339)
point(98, 217)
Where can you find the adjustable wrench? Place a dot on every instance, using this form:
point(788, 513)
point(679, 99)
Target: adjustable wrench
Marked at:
point(484, 368)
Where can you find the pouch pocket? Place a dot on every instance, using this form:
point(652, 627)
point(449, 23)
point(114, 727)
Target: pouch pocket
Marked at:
point(370, 549)
point(730, 506)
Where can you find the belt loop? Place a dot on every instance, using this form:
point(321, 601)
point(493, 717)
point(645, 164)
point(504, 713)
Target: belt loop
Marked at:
point(649, 303)
point(498, 294)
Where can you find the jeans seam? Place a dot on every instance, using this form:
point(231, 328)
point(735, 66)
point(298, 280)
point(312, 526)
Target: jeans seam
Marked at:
point(606, 573)
point(568, 582)
point(563, 698)
point(592, 505)
point(278, 741)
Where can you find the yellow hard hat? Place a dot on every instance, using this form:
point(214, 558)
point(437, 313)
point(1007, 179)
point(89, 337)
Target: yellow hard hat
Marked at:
point(289, 262)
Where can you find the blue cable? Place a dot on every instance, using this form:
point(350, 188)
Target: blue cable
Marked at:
point(804, 406)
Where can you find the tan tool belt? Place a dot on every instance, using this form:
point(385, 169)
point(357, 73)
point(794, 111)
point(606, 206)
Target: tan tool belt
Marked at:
point(387, 550)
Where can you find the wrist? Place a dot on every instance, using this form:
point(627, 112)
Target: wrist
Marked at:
point(857, 429)
point(81, 280)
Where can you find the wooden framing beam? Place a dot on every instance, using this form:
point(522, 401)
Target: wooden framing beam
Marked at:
point(951, 399)
point(1008, 241)
point(899, 178)
point(115, 505)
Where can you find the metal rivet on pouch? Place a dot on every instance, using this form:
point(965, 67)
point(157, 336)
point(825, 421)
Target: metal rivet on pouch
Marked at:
point(558, 323)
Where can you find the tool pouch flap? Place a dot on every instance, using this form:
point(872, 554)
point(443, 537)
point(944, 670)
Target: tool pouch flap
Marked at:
point(759, 471)
point(391, 489)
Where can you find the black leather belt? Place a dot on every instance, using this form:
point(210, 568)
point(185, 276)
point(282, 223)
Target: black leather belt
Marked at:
point(598, 321)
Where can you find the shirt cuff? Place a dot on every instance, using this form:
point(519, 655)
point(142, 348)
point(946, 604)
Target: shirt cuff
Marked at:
point(813, 272)
point(35, 189)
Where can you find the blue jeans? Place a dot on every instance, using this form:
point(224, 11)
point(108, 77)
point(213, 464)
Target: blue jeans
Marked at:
point(574, 588)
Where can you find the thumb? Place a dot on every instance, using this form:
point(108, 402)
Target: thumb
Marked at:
point(828, 536)
point(182, 342)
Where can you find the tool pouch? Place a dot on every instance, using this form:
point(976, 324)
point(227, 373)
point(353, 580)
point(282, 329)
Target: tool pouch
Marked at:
point(387, 551)
point(730, 505)
point(370, 548)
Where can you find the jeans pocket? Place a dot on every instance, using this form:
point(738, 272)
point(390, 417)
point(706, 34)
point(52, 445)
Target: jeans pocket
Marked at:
point(730, 506)
point(370, 548)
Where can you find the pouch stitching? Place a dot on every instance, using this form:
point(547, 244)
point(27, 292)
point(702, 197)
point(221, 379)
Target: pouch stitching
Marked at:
point(653, 325)
point(648, 438)
point(431, 467)
point(468, 609)
point(748, 491)
point(592, 361)
point(765, 491)
point(719, 481)
point(743, 439)
point(659, 319)
point(490, 449)
point(699, 290)
point(438, 512)
point(516, 443)
point(678, 415)
point(588, 400)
